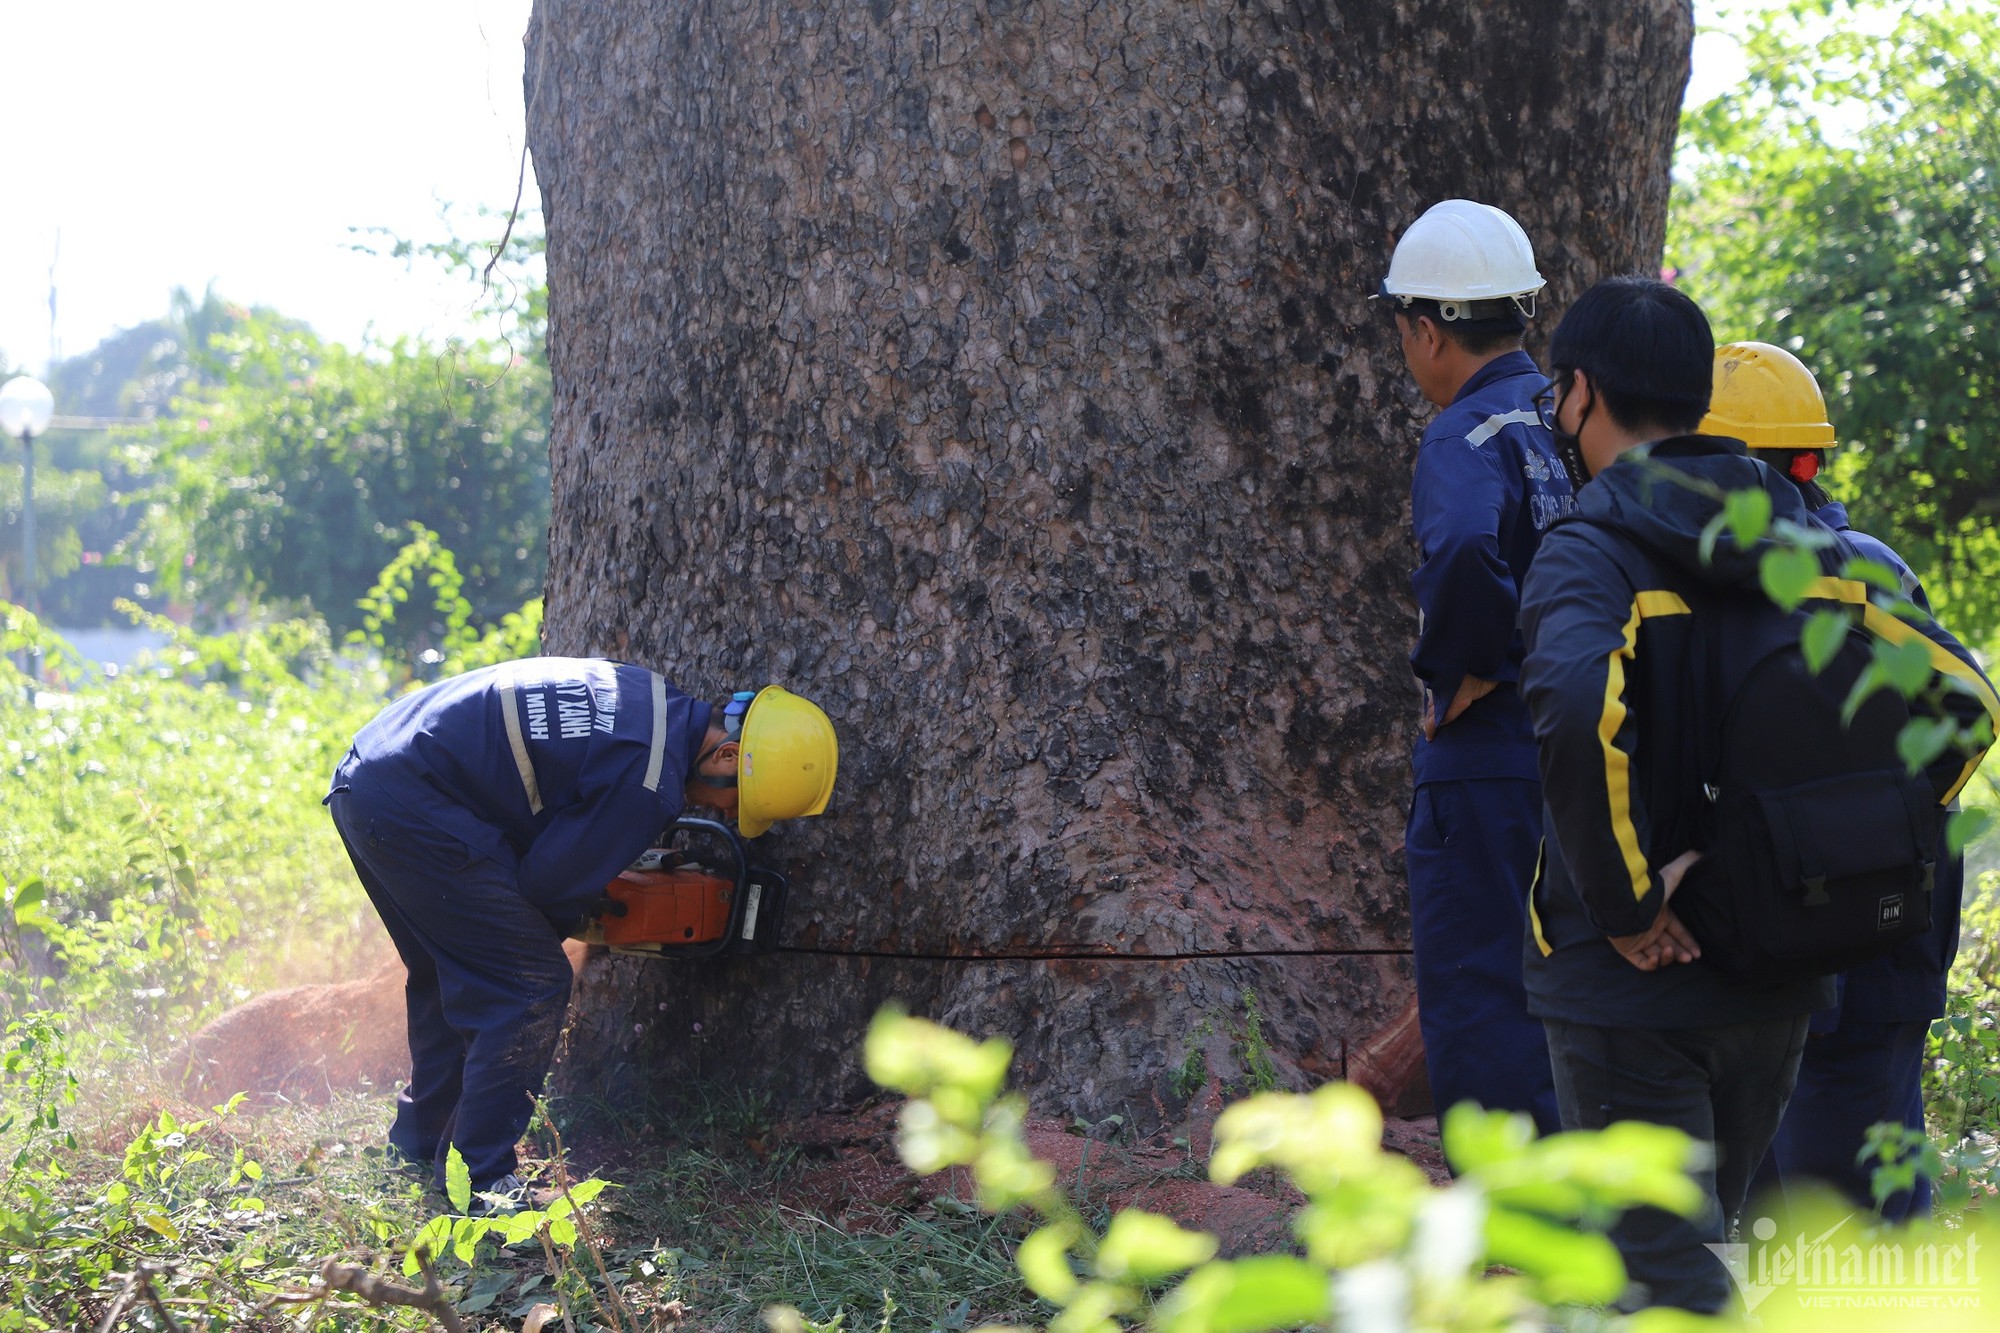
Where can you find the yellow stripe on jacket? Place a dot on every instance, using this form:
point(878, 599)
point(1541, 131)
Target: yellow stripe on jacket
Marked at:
point(1617, 764)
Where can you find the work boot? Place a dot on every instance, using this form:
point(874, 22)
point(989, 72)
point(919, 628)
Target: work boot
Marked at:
point(503, 1198)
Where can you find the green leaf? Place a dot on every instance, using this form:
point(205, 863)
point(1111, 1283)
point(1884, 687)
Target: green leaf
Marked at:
point(159, 1223)
point(1873, 572)
point(1786, 572)
point(28, 897)
point(1964, 828)
point(1144, 1247)
point(1570, 1267)
point(485, 1291)
point(466, 1233)
point(922, 1059)
point(1314, 1137)
point(1270, 1291)
point(1822, 637)
point(1711, 532)
point(1748, 516)
point(1091, 1308)
point(457, 1180)
point(1907, 664)
point(1044, 1263)
point(520, 1227)
point(1364, 1218)
point(1474, 1137)
point(1865, 685)
point(562, 1231)
point(1008, 1174)
point(1923, 739)
point(431, 1239)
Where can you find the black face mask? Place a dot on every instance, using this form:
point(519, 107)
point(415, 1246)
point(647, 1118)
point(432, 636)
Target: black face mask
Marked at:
point(1569, 447)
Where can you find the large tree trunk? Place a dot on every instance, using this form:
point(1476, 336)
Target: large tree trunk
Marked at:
point(1001, 376)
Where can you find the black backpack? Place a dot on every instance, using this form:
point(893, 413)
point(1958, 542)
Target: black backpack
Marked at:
point(1820, 848)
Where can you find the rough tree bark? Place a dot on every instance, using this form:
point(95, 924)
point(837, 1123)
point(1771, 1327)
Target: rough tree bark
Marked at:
point(999, 373)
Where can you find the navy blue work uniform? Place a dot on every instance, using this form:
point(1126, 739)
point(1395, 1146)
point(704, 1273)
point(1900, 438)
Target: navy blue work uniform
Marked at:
point(1488, 483)
point(1863, 1060)
point(483, 815)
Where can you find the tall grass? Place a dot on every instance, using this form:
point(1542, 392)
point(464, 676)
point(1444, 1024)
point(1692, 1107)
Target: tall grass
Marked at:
point(162, 845)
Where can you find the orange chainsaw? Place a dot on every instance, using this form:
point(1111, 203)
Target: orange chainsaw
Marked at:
point(697, 895)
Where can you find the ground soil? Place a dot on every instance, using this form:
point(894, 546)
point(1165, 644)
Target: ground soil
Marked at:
point(848, 1173)
point(307, 1043)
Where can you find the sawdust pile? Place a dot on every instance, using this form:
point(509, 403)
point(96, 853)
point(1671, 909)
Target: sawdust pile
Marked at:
point(306, 1043)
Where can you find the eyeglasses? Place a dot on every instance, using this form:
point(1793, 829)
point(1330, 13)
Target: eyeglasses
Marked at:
point(1545, 402)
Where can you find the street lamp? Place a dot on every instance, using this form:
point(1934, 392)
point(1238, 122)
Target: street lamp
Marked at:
point(26, 408)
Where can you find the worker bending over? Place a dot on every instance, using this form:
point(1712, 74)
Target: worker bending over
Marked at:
point(484, 816)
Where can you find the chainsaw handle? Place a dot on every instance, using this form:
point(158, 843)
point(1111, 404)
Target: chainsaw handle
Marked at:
point(716, 830)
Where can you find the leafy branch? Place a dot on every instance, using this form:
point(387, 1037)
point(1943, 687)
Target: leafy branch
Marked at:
point(1383, 1248)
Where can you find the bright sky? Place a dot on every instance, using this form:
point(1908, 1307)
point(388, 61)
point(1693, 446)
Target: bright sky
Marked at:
point(179, 142)
point(183, 142)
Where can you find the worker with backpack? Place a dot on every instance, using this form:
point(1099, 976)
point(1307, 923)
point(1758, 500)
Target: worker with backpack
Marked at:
point(1863, 1061)
point(1699, 876)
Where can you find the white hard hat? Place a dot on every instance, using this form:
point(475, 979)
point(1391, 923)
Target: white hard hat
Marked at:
point(1472, 259)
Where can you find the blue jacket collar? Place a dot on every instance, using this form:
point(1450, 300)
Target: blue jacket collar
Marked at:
point(1504, 366)
point(1834, 515)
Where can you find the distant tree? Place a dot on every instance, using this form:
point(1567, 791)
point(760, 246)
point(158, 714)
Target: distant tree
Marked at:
point(1844, 201)
point(89, 487)
point(137, 372)
point(63, 500)
point(282, 467)
point(504, 259)
point(295, 469)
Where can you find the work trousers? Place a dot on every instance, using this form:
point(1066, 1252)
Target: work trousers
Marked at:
point(1471, 849)
point(1854, 1076)
point(488, 985)
point(1726, 1086)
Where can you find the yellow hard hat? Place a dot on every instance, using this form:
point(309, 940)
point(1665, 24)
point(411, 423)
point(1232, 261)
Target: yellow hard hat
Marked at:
point(787, 762)
point(1765, 397)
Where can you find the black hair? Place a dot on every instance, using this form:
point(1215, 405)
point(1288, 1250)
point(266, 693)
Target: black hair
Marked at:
point(1480, 337)
point(1647, 348)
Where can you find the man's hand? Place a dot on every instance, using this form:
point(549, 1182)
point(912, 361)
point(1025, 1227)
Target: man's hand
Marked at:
point(1470, 690)
point(1667, 940)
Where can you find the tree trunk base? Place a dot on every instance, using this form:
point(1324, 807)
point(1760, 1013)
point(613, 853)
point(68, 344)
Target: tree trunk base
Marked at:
point(1190, 1034)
